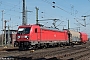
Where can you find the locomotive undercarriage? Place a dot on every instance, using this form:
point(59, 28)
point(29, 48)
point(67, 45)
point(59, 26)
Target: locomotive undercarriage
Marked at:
point(25, 45)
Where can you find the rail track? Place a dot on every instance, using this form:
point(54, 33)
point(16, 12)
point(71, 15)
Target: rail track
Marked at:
point(59, 54)
point(79, 52)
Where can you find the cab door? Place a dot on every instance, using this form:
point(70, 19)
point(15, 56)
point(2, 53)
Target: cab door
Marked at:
point(38, 34)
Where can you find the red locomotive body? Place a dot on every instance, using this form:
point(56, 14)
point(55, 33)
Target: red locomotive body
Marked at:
point(53, 35)
point(84, 37)
point(34, 36)
point(36, 33)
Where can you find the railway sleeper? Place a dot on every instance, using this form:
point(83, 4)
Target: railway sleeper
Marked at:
point(62, 55)
point(66, 54)
point(75, 55)
point(85, 57)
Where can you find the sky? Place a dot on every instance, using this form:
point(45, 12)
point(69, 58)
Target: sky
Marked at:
point(64, 10)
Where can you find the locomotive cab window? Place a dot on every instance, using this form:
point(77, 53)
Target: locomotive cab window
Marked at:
point(35, 30)
point(24, 30)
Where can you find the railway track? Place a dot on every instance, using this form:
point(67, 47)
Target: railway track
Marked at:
point(79, 52)
point(59, 54)
point(73, 54)
point(17, 52)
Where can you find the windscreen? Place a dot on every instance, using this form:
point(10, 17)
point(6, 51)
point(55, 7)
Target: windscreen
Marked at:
point(24, 30)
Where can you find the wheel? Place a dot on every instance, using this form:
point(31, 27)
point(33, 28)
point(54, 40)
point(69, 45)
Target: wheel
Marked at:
point(21, 48)
point(72, 45)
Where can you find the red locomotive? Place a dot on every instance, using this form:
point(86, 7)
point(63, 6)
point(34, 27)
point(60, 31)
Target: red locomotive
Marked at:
point(35, 36)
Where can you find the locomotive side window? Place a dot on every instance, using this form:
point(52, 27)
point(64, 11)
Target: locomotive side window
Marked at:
point(35, 30)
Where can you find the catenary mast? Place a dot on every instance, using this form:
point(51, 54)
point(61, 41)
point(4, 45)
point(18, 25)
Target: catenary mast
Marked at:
point(24, 20)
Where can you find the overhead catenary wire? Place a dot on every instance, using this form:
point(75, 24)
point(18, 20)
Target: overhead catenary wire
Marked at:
point(13, 8)
point(10, 8)
point(54, 5)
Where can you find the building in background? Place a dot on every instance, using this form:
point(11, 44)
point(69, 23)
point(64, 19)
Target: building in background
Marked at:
point(10, 36)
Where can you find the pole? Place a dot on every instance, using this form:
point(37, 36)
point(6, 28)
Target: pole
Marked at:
point(37, 15)
point(8, 35)
point(5, 30)
point(26, 13)
point(68, 24)
point(68, 32)
point(24, 22)
point(85, 21)
point(2, 27)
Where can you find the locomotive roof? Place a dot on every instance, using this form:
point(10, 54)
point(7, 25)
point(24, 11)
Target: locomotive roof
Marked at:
point(26, 25)
point(42, 27)
point(50, 28)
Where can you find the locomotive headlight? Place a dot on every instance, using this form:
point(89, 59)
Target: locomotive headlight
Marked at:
point(18, 37)
point(27, 37)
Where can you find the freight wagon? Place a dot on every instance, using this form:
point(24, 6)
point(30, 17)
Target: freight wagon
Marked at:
point(78, 37)
point(84, 37)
